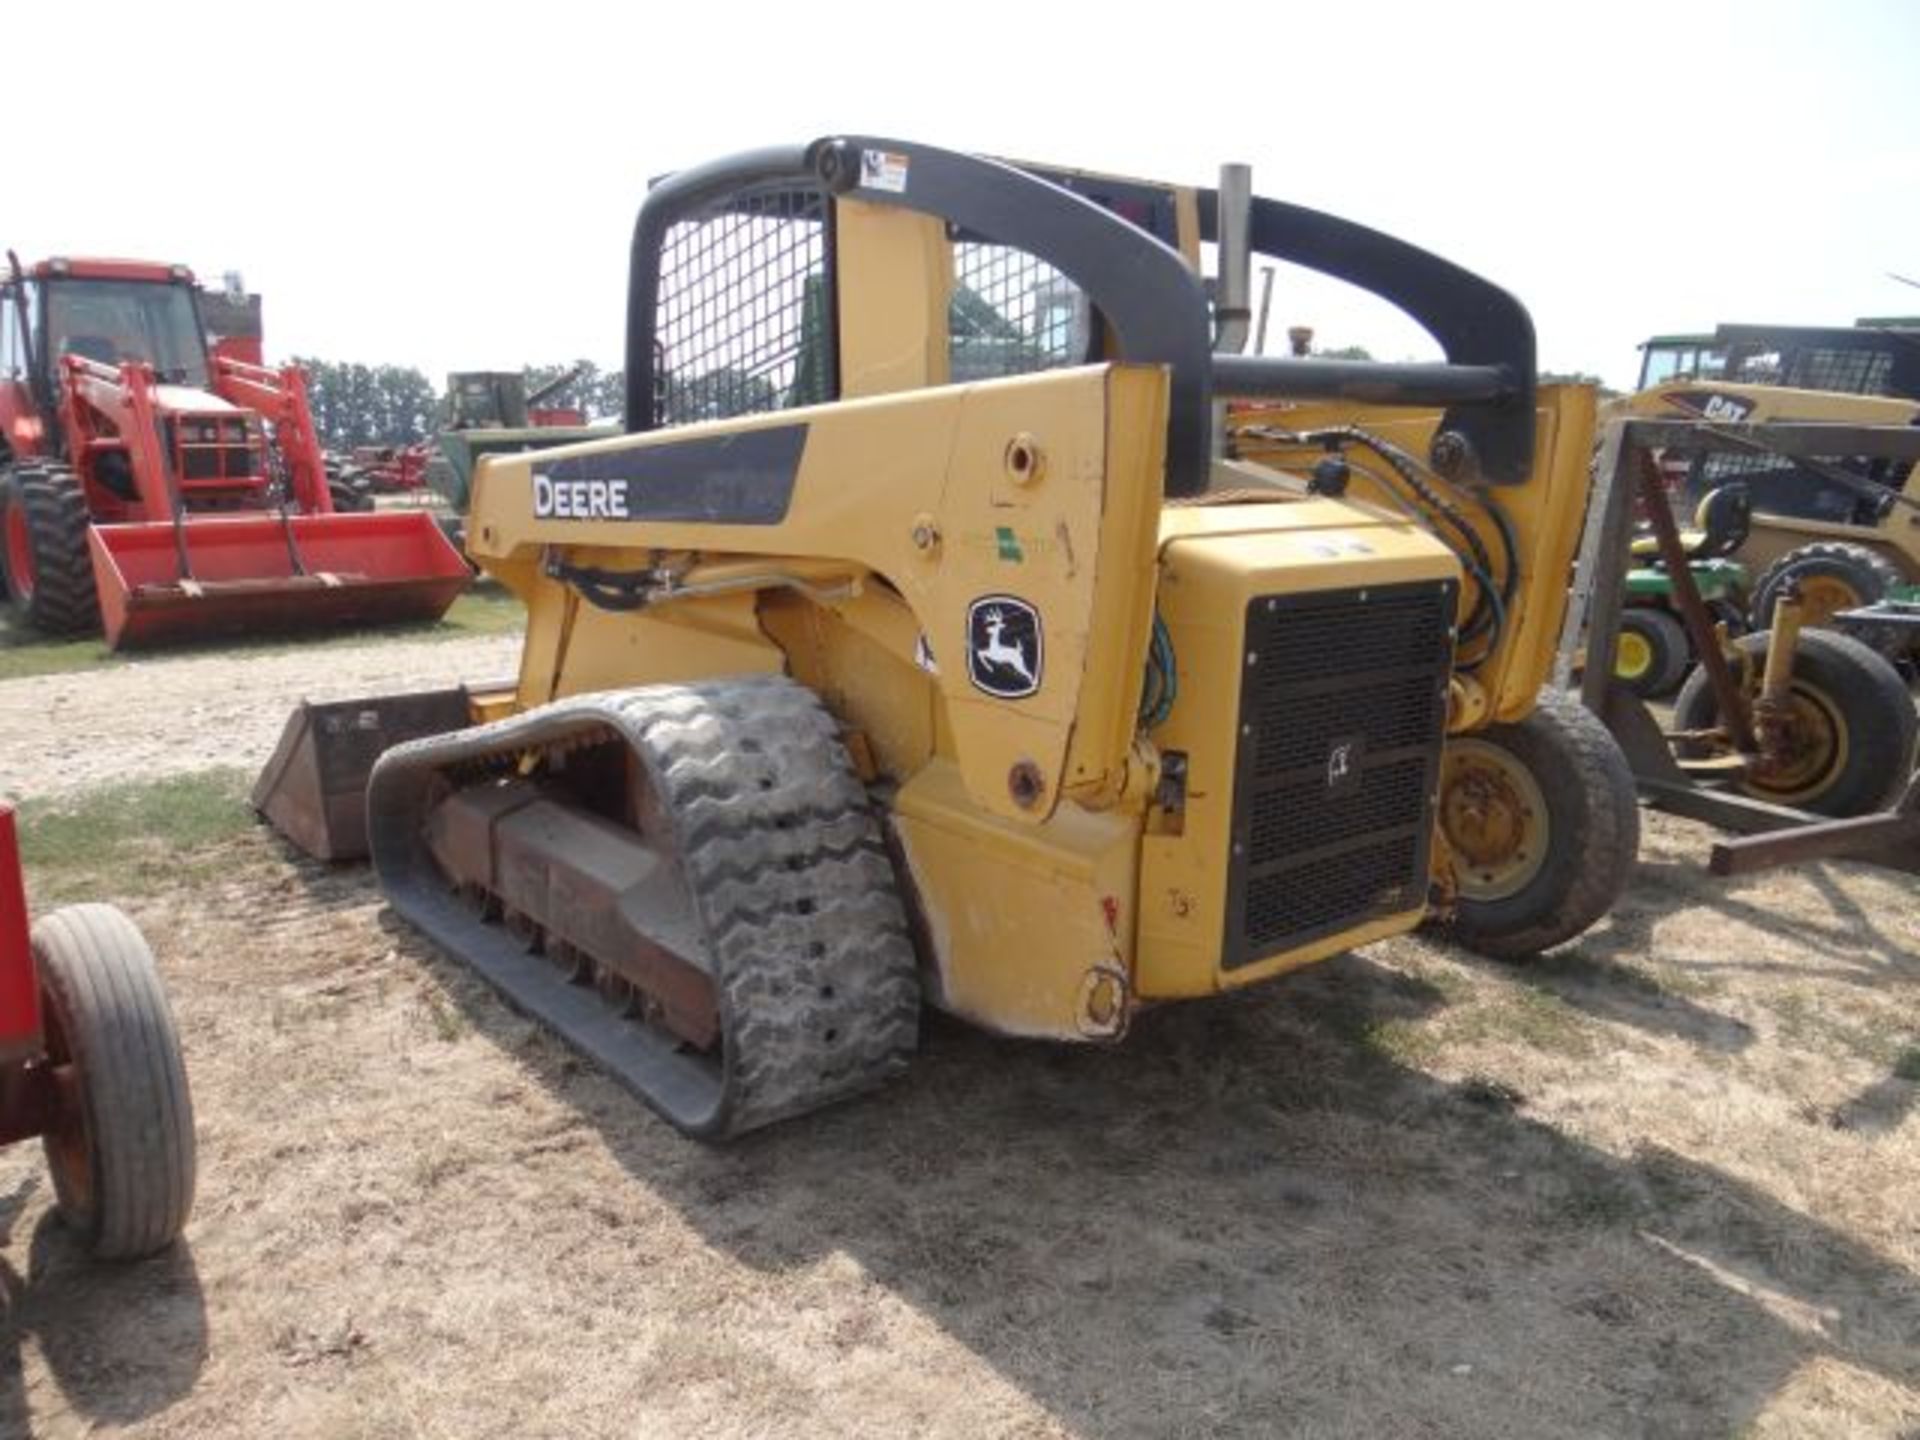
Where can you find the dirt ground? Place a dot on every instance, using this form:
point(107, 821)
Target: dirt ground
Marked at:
point(1665, 1183)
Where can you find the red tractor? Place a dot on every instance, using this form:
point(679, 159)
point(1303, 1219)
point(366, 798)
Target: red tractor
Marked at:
point(158, 489)
point(90, 1062)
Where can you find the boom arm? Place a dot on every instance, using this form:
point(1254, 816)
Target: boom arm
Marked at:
point(122, 396)
point(280, 397)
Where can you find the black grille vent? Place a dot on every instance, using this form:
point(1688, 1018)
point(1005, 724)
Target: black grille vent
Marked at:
point(216, 462)
point(1342, 709)
point(1337, 891)
point(1295, 726)
point(1307, 814)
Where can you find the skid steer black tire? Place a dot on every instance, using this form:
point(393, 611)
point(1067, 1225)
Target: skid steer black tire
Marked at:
point(1853, 575)
point(1667, 652)
point(815, 976)
point(123, 1159)
point(1592, 833)
point(1860, 694)
point(58, 597)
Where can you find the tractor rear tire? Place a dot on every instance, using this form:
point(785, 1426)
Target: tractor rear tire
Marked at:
point(49, 572)
point(1653, 654)
point(6, 504)
point(350, 492)
point(1854, 710)
point(1544, 825)
point(122, 1156)
point(1833, 575)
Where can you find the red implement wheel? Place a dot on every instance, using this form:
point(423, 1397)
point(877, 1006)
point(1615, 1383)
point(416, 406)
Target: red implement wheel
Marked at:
point(122, 1151)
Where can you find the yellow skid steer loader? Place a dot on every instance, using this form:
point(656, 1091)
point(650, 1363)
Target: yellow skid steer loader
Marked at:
point(943, 630)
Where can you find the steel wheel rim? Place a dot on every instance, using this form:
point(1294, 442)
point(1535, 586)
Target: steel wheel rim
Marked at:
point(1495, 819)
point(68, 1141)
point(1824, 596)
point(1811, 716)
point(1632, 655)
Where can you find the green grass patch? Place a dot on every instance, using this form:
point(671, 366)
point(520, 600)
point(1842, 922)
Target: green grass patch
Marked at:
point(133, 838)
point(1523, 1016)
point(1411, 1043)
point(23, 653)
point(1883, 1037)
point(485, 609)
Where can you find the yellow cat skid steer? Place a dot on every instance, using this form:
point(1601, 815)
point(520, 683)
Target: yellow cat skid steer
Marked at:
point(923, 640)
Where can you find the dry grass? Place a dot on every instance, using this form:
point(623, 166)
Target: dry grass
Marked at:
point(1667, 1183)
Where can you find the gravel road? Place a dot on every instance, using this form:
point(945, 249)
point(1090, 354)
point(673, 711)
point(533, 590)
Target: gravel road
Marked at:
point(61, 733)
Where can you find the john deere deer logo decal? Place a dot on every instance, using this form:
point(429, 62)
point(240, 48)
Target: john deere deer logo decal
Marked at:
point(1339, 762)
point(1004, 647)
point(1344, 755)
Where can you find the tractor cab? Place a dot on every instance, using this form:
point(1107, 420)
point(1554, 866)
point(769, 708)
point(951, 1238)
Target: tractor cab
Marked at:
point(1872, 357)
point(1680, 357)
point(114, 313)
point(108, 312)
point(73, 327)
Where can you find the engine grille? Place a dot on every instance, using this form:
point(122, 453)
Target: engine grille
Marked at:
point(1342, 711)
point(218, 462)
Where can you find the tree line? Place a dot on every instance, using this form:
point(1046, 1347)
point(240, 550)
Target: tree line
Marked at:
point(355, 405)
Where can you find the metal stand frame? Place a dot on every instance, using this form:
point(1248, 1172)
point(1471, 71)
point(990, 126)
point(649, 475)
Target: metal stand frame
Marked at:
point(1774, 834)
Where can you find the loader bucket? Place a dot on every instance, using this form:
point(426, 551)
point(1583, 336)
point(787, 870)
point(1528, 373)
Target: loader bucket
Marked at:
point(377, 568)
point(314, 788)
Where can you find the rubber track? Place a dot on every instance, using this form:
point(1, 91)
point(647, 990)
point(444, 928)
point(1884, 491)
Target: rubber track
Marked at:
point(807, 940)
point(64, 601)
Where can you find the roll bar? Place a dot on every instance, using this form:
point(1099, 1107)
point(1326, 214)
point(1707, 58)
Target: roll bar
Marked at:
point(1149, 298)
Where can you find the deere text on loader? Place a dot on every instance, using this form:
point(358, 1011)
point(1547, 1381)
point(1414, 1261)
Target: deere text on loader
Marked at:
point(158, 490)
point(926, 641)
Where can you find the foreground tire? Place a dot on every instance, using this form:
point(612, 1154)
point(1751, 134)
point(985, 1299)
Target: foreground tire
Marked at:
point(122, 1156)
point(49, 572)
point(1544, 827)
point(1652, 655)
point(1832, 576)
point(6, 504)
point(1851, 728)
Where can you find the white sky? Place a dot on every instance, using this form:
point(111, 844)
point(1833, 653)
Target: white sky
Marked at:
point(397, 195)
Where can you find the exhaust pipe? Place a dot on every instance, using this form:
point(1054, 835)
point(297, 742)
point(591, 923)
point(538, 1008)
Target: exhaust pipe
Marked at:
point(1233, 289)
point(1233, 285)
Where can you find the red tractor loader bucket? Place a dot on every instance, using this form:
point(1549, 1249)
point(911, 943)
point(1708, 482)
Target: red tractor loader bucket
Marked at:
point(262, 573)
